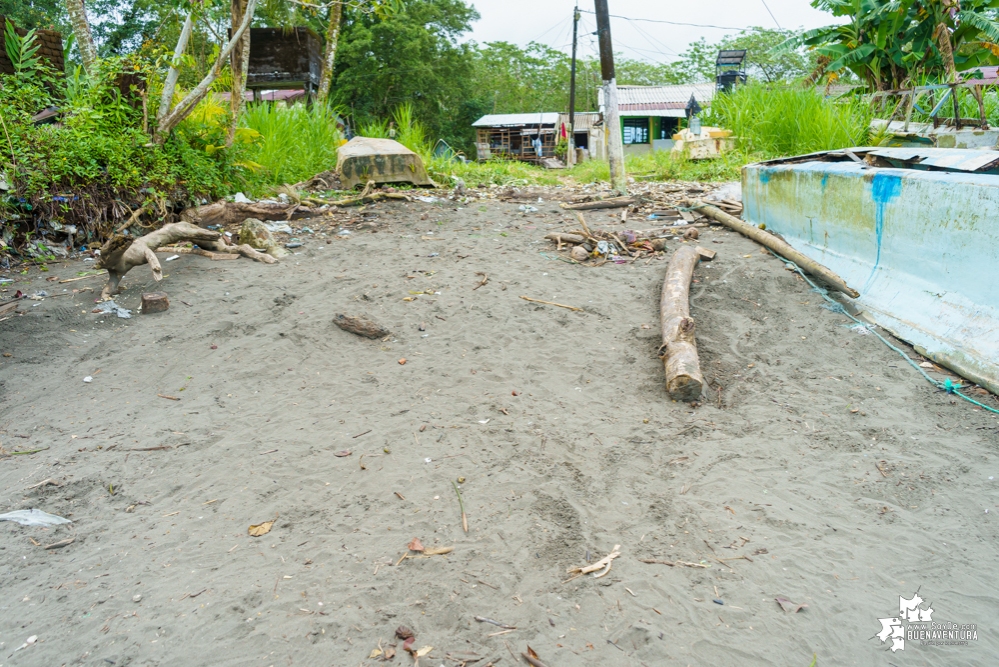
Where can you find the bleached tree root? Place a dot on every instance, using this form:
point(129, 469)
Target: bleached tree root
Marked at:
point(121, 253)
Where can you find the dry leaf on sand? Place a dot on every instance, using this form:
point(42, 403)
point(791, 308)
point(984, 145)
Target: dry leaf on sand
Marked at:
point(375, 652)
point(415, 544)
point(389, 653)
point(423, 651)
point(402, 632)
point(604, 564)
point(261, 529)
point(789, 606)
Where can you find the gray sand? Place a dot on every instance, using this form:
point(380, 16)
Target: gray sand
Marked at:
point(776, 466)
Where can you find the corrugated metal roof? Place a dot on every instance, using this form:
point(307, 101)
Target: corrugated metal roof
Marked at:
point(951, 159)
point(649, 98)
point(584, 120)
point(989, 75)
point(516, 119)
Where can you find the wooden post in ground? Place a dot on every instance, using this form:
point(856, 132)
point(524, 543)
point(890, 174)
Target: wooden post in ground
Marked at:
point(679, 348)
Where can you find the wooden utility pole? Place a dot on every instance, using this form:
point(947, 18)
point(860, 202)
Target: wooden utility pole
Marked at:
point(571, 153)
point(612, 120)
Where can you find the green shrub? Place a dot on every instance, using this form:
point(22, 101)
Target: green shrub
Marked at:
point(98, 162)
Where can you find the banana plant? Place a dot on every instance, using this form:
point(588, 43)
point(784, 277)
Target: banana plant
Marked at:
point(890, 43)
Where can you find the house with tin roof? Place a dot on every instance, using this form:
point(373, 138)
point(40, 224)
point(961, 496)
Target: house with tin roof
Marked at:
point(651, 115)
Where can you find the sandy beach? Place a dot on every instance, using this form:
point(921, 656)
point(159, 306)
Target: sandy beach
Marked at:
point(818, 466)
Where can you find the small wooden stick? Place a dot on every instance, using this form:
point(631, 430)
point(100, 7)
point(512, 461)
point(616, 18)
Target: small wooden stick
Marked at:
point(582, 221)
point(461, 504)
point(550, 303)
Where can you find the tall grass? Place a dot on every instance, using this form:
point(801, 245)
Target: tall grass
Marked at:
point(773, 121)
point(409, 131)
point(295, 143)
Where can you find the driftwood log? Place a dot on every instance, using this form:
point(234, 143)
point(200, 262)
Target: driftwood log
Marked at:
point(776, 244)
point(121, 253)
point(360, 326)
point(615, 202)
point(234, 213)
point(679, 348)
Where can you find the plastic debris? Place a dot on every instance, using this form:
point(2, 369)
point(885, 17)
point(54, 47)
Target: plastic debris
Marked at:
point(282, 227)
point(428, 200)
point(603, 247)
point(88, 379)
point(343, 232)
point(527, 208)
point(172, 257)
point(33, 517)
point(109, 307)
point(240, 198)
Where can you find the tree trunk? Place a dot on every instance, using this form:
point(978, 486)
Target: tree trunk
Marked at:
point(81, 30)
point(238, 64)
point(329, 55)
point(170, 120)
point(679, 348)
point(170, 83)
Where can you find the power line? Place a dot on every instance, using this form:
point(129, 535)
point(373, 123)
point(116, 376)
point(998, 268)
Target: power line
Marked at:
point(771, 14)
point(692, 25)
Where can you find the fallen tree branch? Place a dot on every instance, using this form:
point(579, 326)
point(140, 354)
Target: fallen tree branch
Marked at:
point(775, 244)
point(679, 348)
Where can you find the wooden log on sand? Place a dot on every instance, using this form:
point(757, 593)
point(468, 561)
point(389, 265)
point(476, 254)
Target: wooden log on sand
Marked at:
point(615, 202)
point(679, 349)
point(776, 244)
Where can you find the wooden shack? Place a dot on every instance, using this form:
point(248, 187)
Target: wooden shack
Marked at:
point(512, 136)
point(284, 59)
point(49, 48)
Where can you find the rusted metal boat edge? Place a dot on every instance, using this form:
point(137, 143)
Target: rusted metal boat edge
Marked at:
point(919, 243)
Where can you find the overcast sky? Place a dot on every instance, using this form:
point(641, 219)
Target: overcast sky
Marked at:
point(550, 22)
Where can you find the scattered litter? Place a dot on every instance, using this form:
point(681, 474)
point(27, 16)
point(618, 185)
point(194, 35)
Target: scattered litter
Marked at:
point(527, 209)
point(136, 598)
point(240, 198)
point(718, 601)
point(282, 227)
point(294, 244)
point(108, 307)
point(88, 379)
point(789, 606)
point(428, 200)
point(172, 257)
point(39, 295)
point(261, 529)
point(28, 642)
point(415, 544)
point(341, 454)
point(343, 232)
point(33, 517)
